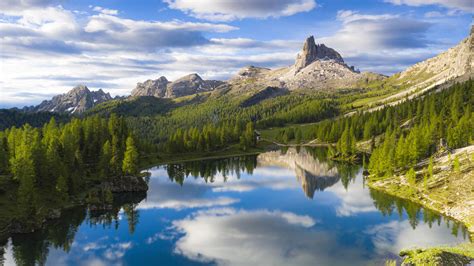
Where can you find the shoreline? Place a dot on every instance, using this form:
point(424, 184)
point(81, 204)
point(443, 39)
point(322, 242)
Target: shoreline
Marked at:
point(126, 184)
point(431, 207)
point(448, 192)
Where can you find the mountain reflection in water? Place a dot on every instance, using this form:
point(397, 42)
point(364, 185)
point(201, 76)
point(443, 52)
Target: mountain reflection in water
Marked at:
point(310, 172)
point(239, 211)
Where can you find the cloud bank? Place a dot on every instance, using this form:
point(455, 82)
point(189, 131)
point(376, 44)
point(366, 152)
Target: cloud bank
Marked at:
point(228, 10)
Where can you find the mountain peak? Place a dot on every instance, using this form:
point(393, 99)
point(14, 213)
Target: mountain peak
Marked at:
point(312, 52)
point(79, 89)
point(77, 100)
point(194, 77)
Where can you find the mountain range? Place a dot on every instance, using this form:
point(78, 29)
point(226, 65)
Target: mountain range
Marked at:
point(317, 68)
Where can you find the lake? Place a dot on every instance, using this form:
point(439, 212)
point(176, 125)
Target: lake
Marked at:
point(290, 207)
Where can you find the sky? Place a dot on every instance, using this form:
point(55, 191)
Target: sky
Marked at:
point(49, 46)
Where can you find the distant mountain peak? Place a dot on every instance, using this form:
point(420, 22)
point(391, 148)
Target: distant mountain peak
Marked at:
point(186, 85)
point(75, 101)
point(312, 52)
point(80, 88)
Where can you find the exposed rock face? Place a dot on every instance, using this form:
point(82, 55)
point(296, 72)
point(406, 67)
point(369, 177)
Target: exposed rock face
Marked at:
point(187, 85)
point(312, 52)
point(310, 172)
point(76, 101)
point(250, 72)
point(126, 184)
point(456, 62)
point(150, 87)
point(317, 67)
point(190, 84)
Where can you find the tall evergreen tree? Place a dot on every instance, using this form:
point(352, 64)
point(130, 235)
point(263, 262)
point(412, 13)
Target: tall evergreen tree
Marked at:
point(130, 161)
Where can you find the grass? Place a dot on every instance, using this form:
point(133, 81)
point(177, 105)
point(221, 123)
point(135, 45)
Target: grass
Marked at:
point(451, 255)
point(448, 192)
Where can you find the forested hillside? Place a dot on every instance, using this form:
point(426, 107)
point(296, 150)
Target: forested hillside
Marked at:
point(56, 164)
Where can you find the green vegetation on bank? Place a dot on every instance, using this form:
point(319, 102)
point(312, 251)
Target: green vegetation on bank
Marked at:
point(446, 115)
point(52, 166)
point(456, 255)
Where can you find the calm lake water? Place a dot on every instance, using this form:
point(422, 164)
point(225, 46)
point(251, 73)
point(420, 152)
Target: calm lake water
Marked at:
point(277, 208)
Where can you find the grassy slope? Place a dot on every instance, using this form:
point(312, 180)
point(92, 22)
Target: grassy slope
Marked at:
point(457, 255)
point(449, 192)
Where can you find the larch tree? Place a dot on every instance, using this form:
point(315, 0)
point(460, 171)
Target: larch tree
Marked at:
point(130, 160)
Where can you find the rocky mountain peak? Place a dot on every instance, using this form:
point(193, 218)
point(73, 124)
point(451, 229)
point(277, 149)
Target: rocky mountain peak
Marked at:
point(151, 87)
point(312, 52)
point(77, 100)
point(79, 89)
point(194, 77)
point(187, 85)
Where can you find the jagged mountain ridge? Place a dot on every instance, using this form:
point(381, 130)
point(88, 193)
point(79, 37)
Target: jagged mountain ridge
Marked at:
point(76, 101)
point(316, 67)
point(187, 85)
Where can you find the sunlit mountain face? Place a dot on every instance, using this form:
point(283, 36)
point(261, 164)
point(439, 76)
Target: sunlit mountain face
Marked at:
point(277, 208)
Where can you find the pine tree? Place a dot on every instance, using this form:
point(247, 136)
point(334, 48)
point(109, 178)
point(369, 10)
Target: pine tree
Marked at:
point(411, 177)
point(130, 161)
point(456, 165)
point(4, 154)
point(24, 170)
point(430, 168)
point(105, 158)
point(116, 156)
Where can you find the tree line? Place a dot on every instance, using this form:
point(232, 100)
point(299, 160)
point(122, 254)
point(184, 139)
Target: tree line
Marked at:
point(212, 138)
point(62, 159)
point(410, 129)
point(441, 117)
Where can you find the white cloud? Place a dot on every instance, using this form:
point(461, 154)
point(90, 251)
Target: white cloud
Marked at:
point(258, 237)
point(397, 235)
point(355, 200)
point(105, 10)
point(14, 6)
point(50, 44)
point(385, 43)
point(465, 5)
point(227, 10)
point(163, 193)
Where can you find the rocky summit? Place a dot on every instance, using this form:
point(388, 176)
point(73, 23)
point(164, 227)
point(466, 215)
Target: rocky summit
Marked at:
point(76, 101)
point(316, 67)
point(187, 85)
point(312, 52)
point(151, 87)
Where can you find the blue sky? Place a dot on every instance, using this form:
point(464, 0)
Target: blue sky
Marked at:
point(49, 46)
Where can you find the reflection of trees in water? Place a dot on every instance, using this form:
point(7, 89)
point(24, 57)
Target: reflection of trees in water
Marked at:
point(33, 248)
point(388, 204)
point(209, 169)
point(347, 171)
